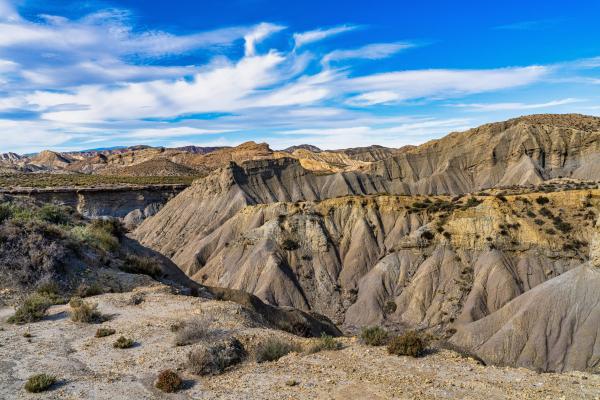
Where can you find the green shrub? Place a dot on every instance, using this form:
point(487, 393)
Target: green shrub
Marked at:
point(142, 265)
point(542, 200)
point(410, 343)
point(273, 349)
point(54, 214)
point(39, 383)
point(112, 226)
point(96, 237)
point(325, 342)
point(82, 311)
point(33, 309)
point(123, 343)
point(374, 336)
point(472, 202)
point(103, 332)
point(168, 381)
point(52, 291)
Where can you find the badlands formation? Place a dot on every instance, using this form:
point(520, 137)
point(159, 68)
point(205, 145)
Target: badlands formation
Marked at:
point(484, 242)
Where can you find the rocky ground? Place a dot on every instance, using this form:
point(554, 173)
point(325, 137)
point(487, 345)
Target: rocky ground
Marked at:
point(89, 367)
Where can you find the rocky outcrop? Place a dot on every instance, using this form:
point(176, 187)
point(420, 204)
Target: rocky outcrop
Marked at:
point(109, 201)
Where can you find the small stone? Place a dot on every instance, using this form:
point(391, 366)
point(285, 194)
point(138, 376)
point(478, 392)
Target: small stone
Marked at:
point(291, 382)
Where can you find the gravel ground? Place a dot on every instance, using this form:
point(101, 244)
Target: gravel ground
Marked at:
point(90, 368)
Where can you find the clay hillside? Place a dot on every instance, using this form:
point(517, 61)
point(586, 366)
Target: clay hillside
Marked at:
point(464, 268)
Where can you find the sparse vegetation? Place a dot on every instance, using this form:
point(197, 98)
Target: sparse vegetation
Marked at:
point(216, 358)
point(103, 332)
point(324, 343)
point(472, 202)
point(273, 349)
point(542, 200)
point(192, 331)
point(389, 307)
point(39, 383)
point(374, 336)
point(410, 343)
point(123, 343)
point(81, 180)
point(136, 299)
point(87, 290)
point(168, 381)
point(101, 233)
point(33, 308)
point(142, 265)
point(82, 311)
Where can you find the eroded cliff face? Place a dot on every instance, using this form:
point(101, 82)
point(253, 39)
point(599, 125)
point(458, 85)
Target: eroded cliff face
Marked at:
point(522, 151)
point(400, 260)
point(108, 201)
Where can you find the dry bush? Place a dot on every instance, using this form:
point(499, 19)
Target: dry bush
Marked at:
point(193, 331)
point(142, 265)
point(168, 381)
point(123, 343)
point(410, 343)
point(82, 311)
point(103, 332)
point(325, 342)
point(214, 359)
point(374, 336)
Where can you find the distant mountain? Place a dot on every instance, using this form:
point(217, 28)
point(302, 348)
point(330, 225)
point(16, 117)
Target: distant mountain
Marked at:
point(308, 147)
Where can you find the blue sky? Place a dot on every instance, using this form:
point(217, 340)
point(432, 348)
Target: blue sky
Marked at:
point(88, 74)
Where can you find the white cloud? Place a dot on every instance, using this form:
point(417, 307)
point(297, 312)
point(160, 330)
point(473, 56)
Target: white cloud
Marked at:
point(370, 52)
point(439, 83)
point(372, 98)
point(168, 132)
point(257, 35)
point(304, 38)
point(515, 105)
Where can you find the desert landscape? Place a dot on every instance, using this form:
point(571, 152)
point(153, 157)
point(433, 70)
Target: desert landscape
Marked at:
point(269, 200)
point(433, 271)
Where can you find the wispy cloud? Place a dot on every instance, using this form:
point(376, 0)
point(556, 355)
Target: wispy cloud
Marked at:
point(258, 34)
point(515, 105)
point(374, 51)
point(405, 85)
point(304, 38)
